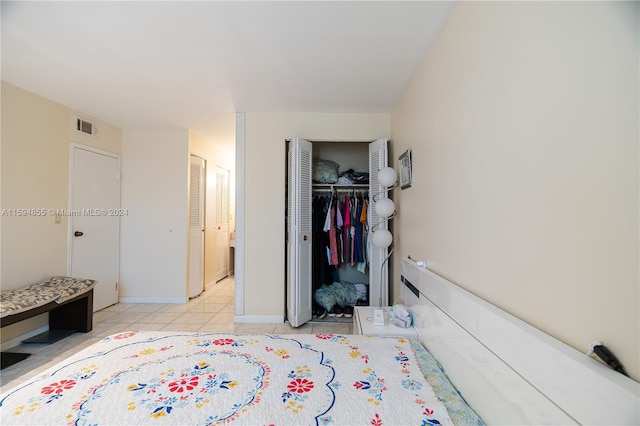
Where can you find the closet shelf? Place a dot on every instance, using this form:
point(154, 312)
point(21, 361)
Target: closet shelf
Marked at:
point(335, 185)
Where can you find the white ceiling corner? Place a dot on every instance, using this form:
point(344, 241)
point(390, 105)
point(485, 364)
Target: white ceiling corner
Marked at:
point(178, 64)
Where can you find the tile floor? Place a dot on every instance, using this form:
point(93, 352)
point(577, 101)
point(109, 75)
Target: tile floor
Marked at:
point(213, 311)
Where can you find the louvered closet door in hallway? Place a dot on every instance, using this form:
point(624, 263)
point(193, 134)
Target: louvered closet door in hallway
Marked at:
point(196, 225)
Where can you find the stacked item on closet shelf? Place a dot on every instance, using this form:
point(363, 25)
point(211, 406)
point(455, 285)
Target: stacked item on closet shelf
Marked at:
point(351, 177)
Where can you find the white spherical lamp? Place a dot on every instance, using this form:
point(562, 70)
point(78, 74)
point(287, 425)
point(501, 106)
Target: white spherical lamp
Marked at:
point(387, 177)
point(384, 207)
point(381, 238)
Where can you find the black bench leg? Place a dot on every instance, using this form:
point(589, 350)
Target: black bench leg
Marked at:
point(76, 315)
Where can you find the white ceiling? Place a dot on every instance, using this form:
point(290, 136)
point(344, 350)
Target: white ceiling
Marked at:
point(178, 64)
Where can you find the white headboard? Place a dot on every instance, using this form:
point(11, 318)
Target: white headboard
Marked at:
point(508, 371)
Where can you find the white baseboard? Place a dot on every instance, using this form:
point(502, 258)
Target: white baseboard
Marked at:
point(267, 319)
point(11, 343)
point(153, 300)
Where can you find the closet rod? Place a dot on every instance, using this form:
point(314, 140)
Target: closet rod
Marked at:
point(340, 185)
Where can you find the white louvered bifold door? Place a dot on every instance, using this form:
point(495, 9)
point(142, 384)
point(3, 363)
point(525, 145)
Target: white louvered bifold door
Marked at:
point(299, 263)
point(378, 268)
point(196, 226)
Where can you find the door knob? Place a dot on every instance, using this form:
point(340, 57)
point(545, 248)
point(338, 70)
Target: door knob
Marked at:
point(78, 233)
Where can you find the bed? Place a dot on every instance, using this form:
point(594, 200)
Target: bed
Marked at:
point(471, 364)
point(199, 379)
point(509, 371)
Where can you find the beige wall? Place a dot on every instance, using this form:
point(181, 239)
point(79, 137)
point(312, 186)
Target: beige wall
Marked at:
point(219, 152)
point(264, 192)
point(153, 236)
point(36, 136)
point(523, 125)
point(35, 174)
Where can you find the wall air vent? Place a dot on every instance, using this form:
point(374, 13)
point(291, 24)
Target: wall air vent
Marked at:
point(85, 126)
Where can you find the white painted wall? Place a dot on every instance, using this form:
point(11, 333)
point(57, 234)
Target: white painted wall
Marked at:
point(153, 245)
point(36, 136)
point(35, 174)
point(264, 194)
point(523, 125)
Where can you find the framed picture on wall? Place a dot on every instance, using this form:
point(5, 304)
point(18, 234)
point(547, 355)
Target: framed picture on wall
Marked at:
point(405, 169)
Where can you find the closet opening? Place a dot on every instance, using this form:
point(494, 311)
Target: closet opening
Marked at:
point(330, 265)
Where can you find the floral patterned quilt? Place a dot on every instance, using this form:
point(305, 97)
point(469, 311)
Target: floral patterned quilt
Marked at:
point(158, 378)
point(55, 289)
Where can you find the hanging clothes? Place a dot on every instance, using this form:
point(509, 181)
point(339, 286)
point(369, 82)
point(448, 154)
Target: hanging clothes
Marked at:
point(362, 265)
point(333, 243)
point(340, 230)
point(358, 255)
point(346, 229)
point(363, 223)
point(322, 270)
point(354, 215)
point(339, 224)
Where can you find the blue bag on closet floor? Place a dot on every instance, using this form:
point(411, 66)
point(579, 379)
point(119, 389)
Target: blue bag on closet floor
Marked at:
point(338, 293)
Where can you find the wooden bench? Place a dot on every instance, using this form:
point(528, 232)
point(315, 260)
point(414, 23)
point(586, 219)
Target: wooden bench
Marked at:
point(69, 302)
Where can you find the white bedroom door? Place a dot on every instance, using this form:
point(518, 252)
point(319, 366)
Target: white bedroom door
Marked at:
point(196, 225)
point(94, 221)
point(299, 263)
point(222, 224)
point(378, 261)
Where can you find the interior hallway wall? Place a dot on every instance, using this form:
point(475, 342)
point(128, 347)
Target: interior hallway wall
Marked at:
point(153, 246)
